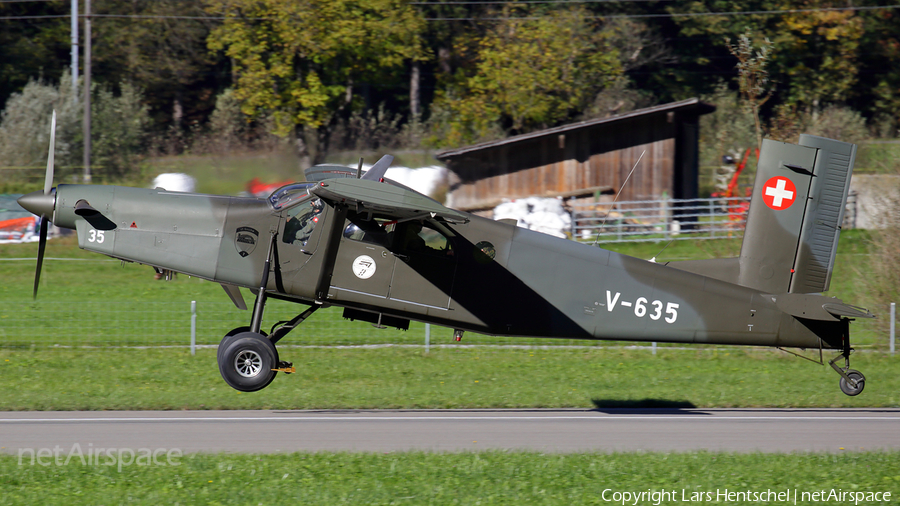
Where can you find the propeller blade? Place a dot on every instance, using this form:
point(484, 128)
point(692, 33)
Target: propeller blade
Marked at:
point(42, 245)
point(45, 221)
point(48, 178)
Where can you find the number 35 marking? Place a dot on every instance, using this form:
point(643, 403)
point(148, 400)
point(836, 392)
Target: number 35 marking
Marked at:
point(95, 236)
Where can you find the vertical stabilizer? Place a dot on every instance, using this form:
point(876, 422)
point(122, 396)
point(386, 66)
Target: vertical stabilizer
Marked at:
point(795, 215)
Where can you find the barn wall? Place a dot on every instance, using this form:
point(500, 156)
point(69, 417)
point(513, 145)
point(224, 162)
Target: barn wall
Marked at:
point(594, 158)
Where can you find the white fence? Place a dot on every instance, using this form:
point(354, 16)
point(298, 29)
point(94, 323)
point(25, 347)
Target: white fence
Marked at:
point(634, 221)
point(663, 220)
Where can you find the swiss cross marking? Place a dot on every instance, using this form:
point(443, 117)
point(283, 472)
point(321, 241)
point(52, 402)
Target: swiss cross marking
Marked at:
point(779, 193)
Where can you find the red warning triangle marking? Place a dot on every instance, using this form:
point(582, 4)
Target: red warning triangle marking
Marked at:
point(133, 225)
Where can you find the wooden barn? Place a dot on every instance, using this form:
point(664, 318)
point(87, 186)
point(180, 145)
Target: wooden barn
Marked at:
point(584, 159)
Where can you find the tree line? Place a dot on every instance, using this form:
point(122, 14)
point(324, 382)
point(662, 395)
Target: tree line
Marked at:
point(373, 74)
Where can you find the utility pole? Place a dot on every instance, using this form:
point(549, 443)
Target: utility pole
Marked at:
point(87, 92)
point(75, 51)
point(414, 80)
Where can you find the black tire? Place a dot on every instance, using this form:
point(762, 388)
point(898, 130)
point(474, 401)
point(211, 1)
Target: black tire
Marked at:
point(223, 344)
point(247, 362)
point(860, 383)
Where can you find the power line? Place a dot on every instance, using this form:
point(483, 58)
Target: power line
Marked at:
point(686, 14)
point(523, 18)
point(519, 2)
point(125, 16)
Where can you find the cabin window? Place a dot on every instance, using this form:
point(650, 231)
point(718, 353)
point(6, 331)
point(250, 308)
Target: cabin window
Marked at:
point(301, 222)
point(375, 231)
point(423, 237)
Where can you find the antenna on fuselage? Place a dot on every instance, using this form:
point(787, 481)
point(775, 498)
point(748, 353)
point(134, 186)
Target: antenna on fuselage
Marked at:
point(597, 236)
point(660, 251)
point(359, 169)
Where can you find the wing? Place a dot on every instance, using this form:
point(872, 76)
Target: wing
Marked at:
point(325, 171)
point(384, 198)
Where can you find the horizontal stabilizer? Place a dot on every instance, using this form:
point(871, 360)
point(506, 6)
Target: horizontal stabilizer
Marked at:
point(846, 310)
point(817, 307)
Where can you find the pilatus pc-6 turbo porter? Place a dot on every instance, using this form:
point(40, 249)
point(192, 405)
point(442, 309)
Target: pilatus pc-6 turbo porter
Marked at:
point(389, 255)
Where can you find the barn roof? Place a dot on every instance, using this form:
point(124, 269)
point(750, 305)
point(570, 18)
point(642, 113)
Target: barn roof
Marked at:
point(692, 104)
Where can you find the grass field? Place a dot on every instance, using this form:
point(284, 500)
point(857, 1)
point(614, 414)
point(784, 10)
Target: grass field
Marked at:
point(166, 379)
point(484, 478)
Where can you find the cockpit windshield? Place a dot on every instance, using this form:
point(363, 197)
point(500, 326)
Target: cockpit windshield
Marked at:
point(289, 194)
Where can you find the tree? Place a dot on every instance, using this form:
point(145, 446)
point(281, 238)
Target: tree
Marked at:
point(817, 62)
point(753, 78)
point(165, 56)
point(818, 53)
point(31, 49)
point(120, 125)
point(532, 73)
point(301, 61)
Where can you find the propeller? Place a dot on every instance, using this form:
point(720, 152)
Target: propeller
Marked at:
point(44, 203)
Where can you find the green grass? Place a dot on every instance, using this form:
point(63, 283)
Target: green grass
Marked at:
point(459, 478)
point(171, 379)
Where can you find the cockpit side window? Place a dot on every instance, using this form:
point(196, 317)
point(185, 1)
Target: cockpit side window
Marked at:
point(373, 231)
point(301, 222)
point(418, 237)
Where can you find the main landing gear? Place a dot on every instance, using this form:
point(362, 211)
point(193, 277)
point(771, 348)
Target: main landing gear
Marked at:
point(852, 381)
point(247, 357)
point(248, 360)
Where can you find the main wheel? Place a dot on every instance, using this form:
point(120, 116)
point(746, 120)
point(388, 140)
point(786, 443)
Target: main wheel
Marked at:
point(247, 362)
point(229, 337)
point(860, 383)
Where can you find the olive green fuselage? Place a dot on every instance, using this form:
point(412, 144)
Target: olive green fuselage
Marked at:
point(492, 278)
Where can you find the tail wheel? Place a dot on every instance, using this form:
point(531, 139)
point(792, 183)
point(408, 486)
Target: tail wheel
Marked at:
point(248, 359)
point(858, 378)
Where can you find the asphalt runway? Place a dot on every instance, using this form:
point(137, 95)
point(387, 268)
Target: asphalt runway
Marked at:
point(569, 430)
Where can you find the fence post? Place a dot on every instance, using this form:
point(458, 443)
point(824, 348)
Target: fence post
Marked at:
point(712, 218)
point(193, 327)
point(427, 337)
point(667, 219)
point(654, 347)
point(893, 324)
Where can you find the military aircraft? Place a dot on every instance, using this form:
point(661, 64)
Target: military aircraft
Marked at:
point(389, 255)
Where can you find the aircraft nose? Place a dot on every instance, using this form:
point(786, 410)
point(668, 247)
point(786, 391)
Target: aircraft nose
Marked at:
point(38, 203)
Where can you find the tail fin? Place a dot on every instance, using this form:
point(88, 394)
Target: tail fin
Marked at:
point(795, 217)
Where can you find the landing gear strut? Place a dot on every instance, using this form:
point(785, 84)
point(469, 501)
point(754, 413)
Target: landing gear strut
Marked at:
point(852, 381)
point(247, 357)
